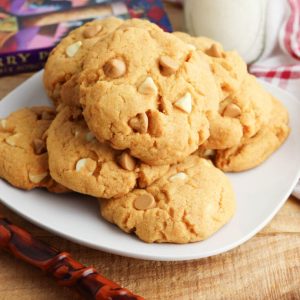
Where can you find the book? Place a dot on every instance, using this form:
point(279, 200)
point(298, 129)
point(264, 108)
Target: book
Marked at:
point(30, 29)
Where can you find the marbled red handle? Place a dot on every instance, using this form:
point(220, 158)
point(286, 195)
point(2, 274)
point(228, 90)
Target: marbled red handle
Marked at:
point(60, 265)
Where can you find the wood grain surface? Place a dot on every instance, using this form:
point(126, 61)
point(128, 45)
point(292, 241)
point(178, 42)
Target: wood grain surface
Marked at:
point(266, 267)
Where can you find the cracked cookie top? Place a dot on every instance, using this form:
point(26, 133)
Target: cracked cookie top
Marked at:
point(147, 91)
point(228, 67)
point(187, 204)
point(65, 60)
point(23, 151)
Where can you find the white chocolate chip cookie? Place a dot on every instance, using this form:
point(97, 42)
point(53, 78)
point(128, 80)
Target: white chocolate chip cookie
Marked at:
point(189, 203)
point(147, 91)
point(23, 151)
point(65, 61)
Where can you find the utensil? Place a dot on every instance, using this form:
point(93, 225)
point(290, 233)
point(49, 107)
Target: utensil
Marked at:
point(60, 265)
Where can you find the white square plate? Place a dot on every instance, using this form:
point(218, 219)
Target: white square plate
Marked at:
point(260, 194)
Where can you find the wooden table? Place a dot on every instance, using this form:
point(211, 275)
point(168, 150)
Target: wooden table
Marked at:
point(266, 267)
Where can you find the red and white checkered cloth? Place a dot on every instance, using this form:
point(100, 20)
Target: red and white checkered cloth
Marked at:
point(279, 63)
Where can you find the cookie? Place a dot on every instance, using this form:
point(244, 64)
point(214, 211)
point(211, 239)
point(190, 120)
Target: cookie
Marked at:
point(244, 107)
point(189, 203)
point(240, 115)
point(78, 161)
point(228, 67)
point(147, 91)
point(254, 150)
point(23, 152)
point(65, 61)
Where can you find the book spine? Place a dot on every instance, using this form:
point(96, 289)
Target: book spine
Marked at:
point(23, 61)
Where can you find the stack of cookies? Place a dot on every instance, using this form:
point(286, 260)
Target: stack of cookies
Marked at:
point(146, 121)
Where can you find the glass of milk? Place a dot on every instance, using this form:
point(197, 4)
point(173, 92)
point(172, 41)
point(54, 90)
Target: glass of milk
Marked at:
point(237, 24)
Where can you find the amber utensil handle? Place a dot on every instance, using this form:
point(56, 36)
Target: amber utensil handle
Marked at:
point(67, 271)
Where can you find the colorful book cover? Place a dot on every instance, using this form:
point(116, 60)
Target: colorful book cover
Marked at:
point(29, 29)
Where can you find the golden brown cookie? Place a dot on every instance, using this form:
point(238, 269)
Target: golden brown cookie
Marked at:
point(65, 61)
point(78, 161)
point(188, 204)
point(254, 150)
point(240, 115)
point(147, 91)
point(23, 152)
point(244, 107)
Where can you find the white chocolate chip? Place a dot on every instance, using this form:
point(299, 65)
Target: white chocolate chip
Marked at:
point(3, 123)
point(144, 202)
point(86, 165)
point(178, 176)
point(232, 111)
point(185, 103)
point(80, 164)
point(37, 178)
point(11, 140)
point(89, 136)
point(208, 162)
point(191, 47)
point(209, 153)
point(148, 87)
point(73, 48)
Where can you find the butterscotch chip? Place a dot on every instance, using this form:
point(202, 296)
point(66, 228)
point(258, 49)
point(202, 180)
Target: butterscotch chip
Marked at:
point(39, 146)
point(144, 202)
point(185, 103)
point(91, 31)
point(232, 111)
point(37, 178)
point(168, 65)
point(126, 162)
point(115, 68)
point(73, 48)
point(148, 87)
point(139, 123)
point(155, 124)
point(215, 51)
